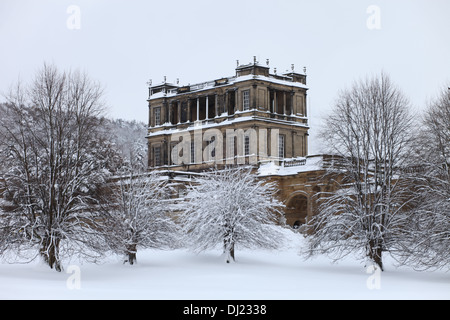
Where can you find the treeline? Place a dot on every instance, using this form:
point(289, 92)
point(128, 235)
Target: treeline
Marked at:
point(74, 184)
point(392, 182)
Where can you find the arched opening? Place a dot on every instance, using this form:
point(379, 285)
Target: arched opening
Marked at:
point(297, 210)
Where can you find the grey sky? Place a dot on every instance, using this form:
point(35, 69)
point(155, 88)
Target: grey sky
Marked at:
point(123, 44)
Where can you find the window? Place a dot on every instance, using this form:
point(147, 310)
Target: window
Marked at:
point(246, 145)
point(157, 116)
point(184, 110)
point(230, 147)
point(157, 156)
point(209, 152)
point(281, 144)
point(192, 152)
point(175, 154)
point(246, 99)
point(231, 102)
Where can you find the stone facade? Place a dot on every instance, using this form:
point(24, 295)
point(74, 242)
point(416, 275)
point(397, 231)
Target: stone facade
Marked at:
point(266, 113)
point(255, 117)
point(301, 185)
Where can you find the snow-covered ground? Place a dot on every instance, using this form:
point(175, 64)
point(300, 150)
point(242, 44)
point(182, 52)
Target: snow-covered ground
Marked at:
point(256, 275)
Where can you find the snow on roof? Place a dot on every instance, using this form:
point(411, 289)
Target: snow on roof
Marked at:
point(310, 163)
point(270, 79)
point(164, 84)
point(158, 95)
point(231, 80)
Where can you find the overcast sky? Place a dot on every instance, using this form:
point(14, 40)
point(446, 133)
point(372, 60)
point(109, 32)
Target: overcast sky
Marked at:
point(123, 44)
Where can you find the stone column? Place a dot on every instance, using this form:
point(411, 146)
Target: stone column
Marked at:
point(253, 97)
point(292, 103)
point(188, 117)
point(305, 106)
point(227, 101)
point(198, 109)
point(216, 105)
point(169, 112)
point(149, 115)
point(275, 105)
point(179, 111)
point(237, 101)
point(207, 108)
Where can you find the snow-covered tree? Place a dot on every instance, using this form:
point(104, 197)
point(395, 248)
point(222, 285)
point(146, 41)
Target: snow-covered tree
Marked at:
point(369, 131)
point(129, 139)
point(55, 158)
point(229, 208)
point(140, 216)
point(428, 242)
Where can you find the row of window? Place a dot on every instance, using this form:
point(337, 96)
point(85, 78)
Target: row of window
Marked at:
point(230, 150)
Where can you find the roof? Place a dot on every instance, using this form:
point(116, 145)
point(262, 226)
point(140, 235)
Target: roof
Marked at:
point(257, 64)
point(232, 80)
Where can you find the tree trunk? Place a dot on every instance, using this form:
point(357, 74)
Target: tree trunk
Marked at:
point(131, 254)
point(375, 253)
point(50, 253)
point(229, 250)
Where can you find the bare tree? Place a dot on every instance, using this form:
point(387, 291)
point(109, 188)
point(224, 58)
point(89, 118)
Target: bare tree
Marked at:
point(55, 158)
point(369, 131)
point(230, 208)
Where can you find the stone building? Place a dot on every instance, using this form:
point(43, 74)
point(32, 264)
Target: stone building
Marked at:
point(254, 117)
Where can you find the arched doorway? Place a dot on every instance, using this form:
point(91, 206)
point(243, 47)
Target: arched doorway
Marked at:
point(297, 210)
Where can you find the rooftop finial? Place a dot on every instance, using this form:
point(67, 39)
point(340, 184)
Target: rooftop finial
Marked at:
point(254, 59)
point(149, 82)
point(237, 63)
point(304, 70)
point(292, 67)
point(267, 62)
point(165, 79)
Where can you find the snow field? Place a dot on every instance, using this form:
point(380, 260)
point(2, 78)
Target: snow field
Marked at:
point(256, 275)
